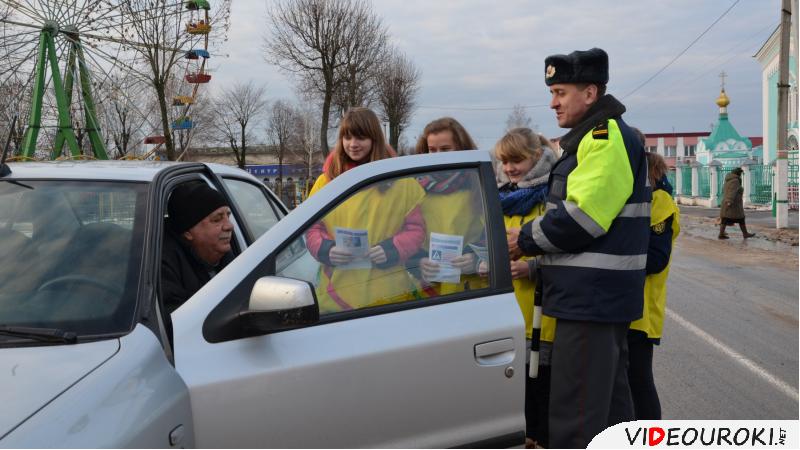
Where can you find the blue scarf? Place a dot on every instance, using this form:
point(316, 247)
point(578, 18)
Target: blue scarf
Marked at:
point(520, 201)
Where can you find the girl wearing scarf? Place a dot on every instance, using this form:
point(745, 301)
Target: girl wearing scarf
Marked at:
point(394, 233)
point(452, 206)
point(524, 161)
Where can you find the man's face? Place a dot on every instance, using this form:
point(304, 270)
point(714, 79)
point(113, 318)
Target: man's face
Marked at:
point(571, 101)
point(211, 237)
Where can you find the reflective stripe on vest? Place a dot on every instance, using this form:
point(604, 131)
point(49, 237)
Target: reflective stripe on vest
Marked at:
point(596, 261)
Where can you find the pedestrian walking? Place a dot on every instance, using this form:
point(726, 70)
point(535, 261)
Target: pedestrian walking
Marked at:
point(593, 240)
point(732, 209)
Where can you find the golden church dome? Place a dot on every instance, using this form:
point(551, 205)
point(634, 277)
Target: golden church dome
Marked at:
point(723, 100)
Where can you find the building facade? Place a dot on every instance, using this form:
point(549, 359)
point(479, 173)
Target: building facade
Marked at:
point(767, 56)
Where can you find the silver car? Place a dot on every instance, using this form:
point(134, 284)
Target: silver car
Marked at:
point(255, 358)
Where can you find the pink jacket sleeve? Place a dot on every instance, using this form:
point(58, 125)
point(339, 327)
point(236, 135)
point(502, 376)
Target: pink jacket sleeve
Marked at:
point(314, 237)
point(409, 239)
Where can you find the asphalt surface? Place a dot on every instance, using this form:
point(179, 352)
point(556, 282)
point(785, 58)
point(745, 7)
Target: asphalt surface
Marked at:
point(730, 345)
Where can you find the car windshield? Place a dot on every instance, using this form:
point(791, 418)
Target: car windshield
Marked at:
point(70, 253)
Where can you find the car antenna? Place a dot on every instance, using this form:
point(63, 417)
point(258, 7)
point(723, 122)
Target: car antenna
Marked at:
point(4, 169)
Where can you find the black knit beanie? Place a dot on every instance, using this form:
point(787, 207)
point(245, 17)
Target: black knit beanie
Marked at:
point(190, 203)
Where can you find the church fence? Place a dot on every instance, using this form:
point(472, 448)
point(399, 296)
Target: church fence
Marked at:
point(761, 176)
point(792, 191)
point(704, 180)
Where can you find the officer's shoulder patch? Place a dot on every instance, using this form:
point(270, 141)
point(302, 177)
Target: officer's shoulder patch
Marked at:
point(601, 130)
point(659, 228)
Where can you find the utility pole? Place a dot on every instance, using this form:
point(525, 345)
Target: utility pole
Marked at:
point(782, 163)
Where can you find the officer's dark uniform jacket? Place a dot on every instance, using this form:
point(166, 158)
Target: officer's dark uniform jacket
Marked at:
point(594, 234)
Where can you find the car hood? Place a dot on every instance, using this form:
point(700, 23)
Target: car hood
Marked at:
point(33, 376)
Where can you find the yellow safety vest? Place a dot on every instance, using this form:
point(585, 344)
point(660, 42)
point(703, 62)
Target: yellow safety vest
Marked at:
point(454, 213)
point(655, 285)
point(524, 288)
point(381, 210)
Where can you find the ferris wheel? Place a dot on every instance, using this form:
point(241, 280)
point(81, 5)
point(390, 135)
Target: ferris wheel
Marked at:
point(68, 65)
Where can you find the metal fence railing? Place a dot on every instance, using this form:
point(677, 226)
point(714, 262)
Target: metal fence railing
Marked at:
point(721, 174)
point(761, 184)
point(686, 181)
point(792, 189)
point(671, 178)
point(704, 181)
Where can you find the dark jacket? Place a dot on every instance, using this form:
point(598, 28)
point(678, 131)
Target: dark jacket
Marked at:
point(591, 273)
point(183, 273)
point(732, 206)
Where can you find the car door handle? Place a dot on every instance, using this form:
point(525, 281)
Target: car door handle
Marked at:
point(495, 353)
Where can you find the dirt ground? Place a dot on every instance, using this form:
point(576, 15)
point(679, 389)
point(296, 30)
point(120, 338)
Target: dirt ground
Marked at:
point(770, 246)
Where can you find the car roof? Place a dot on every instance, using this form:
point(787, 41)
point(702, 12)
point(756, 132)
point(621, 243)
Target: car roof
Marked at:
point(144, 171)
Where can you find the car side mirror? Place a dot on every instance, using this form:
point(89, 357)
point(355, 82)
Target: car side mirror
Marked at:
point(278, 303)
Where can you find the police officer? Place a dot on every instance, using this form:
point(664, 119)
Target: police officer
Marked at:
point(593, 240)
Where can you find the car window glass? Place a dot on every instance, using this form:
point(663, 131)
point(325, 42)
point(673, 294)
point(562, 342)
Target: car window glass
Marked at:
point(254, 205)
point(69, 253)
point(407, 239)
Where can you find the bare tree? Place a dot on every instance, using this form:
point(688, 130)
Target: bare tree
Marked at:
point(123, 115)
point(281, 129)
point(157, 27)
point(238, 107)
point(398, 85)
point(519, 118)
point(321, 42)
point(306, 139)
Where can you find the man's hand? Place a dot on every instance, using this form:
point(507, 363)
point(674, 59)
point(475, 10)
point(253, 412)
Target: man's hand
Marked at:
point(465, 263)
point(339, 256)
point(520, 269)
point(377, 255)
point(513, 250)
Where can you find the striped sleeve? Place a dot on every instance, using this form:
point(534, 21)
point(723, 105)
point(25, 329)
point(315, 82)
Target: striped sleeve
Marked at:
point(597, 190)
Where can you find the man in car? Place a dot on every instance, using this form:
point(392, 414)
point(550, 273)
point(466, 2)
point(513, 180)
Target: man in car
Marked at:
point(198, 241)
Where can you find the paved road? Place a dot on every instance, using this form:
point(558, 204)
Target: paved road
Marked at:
point(730, 346)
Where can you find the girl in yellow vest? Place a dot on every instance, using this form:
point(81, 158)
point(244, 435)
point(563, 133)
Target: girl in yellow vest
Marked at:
point(664, 228)
point(389, 213)
point(525, 160)
point(452, 206)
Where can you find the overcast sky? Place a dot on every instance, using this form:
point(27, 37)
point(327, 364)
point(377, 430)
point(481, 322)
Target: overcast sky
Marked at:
point(481, 57)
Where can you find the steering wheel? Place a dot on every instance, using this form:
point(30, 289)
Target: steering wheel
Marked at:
point(66, 279)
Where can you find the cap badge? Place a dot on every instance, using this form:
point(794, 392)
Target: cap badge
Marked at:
point(550, 72)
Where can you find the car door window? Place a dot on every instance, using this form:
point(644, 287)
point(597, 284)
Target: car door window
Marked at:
point(256, 208)
point(407, 239)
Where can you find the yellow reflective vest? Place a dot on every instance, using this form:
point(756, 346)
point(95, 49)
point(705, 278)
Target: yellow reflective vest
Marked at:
point(456, 213)
point(655, 285)
point(381, 210)
point(524, 288)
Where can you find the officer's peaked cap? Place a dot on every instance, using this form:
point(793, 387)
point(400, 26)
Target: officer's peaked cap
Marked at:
point(580, 66)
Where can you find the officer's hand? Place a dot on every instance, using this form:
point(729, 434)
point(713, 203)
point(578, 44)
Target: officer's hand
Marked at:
point(377, 255)
point(513, 250)
point(519, 269)
point(429, 268)
point(465, 262)
point(339, 256)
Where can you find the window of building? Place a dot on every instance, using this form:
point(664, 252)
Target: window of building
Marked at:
point(652, 149)
point(669, 150)
point(690, 149)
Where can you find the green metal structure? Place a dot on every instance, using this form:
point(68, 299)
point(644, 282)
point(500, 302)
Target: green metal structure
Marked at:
point(63, 89)
point(704, 181)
